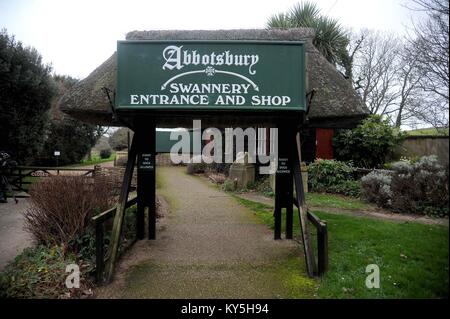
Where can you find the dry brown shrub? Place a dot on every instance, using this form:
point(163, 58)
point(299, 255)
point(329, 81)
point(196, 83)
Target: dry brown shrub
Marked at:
point(61, 206)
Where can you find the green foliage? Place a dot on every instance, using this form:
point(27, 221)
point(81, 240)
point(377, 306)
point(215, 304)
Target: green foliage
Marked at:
point(347, 187)
point(330, 38)
point(332, 176)
point(95, 159)
point(40, 272)
point(71, 137)
point(119, 139)
point(105, 153)
point(26, 91)
point(262, 185)
point(369, 144)
point(229, 186)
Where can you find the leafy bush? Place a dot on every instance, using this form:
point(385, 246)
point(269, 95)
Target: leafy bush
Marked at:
point(229, 186)
point(61, 207)
point(119, 139)
point(410, 187)
point(71, 137)
point(105, 153)
point(40, 272)
point(376, 188)
point(347, 187)
point(369, 144)
point(332, 176)
point(262, 185)
point(26, 91)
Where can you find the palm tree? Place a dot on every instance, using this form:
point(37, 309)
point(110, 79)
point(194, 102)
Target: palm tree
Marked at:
point(330, 38)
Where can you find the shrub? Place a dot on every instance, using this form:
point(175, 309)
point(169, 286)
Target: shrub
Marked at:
point(376, 188)
point(221, 168)
point(347, 187)
point(71, 137)
point(332, 177)
point(119, 139)
point(105, 153)
point(419, 187)
point(229, 186)
point(26, 91)
point(61, 207)
point(369, 144)
point(196, 168)
point(40, 272)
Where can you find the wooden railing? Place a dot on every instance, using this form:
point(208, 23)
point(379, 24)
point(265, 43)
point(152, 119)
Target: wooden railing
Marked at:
point(98, 222)
point(322, 241)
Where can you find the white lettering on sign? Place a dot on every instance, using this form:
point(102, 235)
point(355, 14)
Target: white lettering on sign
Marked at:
point(179, 91)
point(176, 58)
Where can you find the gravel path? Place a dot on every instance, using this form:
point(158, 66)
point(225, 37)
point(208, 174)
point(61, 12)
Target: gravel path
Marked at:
point(13, 238)
point(208, 246)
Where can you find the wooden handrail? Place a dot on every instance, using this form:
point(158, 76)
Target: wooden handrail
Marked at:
point(98, 221)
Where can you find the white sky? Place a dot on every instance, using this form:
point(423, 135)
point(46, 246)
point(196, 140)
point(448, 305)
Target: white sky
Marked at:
point(76, 36)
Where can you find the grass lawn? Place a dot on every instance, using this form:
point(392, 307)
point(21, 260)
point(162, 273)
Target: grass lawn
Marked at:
point(412, 257)
point(95, 159)
point(429, 131)
point(336, 201)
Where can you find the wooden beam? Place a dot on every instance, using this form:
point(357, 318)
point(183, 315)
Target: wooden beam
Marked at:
point(302, 209)
point(119, 216)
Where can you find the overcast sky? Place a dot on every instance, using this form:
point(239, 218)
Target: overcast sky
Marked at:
point(76, 36)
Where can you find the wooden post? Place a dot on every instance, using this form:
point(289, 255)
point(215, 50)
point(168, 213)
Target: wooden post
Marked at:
point(151, 204)
point(146, 167)
point(99, 253)
point(140, 213)
point(302, 209)
point(120, 212)
point(277, 208)
point(322, 246)
point(289, 216)
point(284, 183)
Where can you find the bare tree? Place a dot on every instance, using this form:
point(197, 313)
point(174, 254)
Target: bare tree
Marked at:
point(375, 66)
point(430, 49)
point(389, 74)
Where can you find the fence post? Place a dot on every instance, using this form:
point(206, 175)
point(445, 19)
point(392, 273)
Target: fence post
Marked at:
point(99, 252)
point(322, 247)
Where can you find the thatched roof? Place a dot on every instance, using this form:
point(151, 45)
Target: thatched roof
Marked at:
point(334, 97)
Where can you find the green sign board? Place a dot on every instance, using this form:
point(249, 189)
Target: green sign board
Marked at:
point(210, 75)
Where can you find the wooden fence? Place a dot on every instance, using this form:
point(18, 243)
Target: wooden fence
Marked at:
point(99, 224)
point(19, 176)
